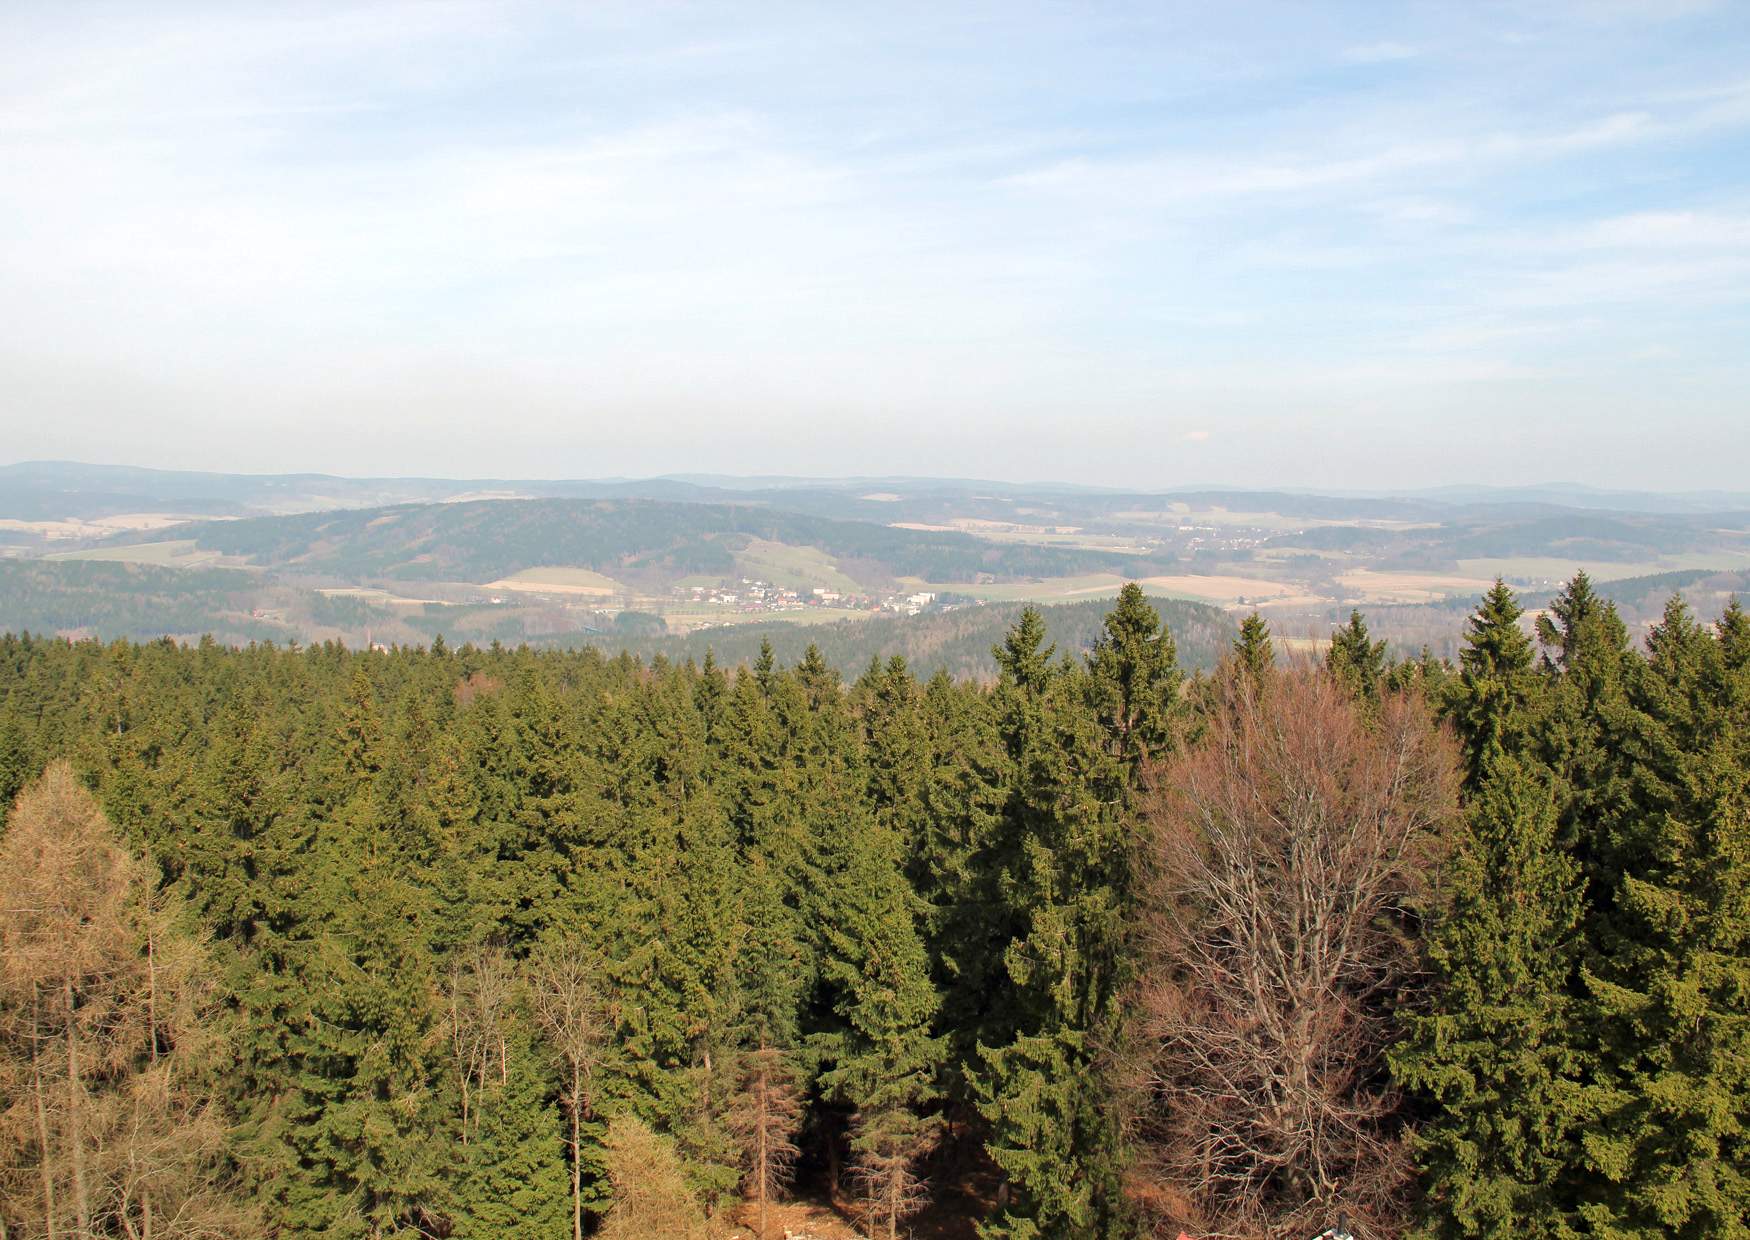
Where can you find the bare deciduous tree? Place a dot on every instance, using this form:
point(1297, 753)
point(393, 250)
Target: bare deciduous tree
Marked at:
point(1284, 856)
point(574, 1021)
point(481, 991)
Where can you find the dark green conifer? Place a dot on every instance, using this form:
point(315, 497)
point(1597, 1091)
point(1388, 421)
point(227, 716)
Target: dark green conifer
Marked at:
point(1356, 660)
point(1253, 652)
point(1134, 679)
point(514, 1181)
point(1495, 685)
point(1496, 1050)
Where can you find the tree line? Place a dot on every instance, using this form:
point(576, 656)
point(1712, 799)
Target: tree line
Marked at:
point(476, 942)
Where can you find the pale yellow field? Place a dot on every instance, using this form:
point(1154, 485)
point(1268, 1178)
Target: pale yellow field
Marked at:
point(1228, 591)
point(558, 579)
point(698, 617)
point(371, 594)
point(1221, 590)
point(1555, 569)
point(1396, 587)
point(101, 527)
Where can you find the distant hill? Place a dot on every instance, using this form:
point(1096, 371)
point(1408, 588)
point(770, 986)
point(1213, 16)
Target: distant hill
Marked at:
point(81, 599)
point(142, 602)
point(958, 642)
point(648, 543)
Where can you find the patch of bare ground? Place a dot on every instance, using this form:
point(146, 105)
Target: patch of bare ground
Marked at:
point(952, 1214)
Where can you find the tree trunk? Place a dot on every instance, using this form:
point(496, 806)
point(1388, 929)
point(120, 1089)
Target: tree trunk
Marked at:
point(75, 1144)
point(45, 1162)
point(151, 995)
point(762, 1151)
point(576, 1154)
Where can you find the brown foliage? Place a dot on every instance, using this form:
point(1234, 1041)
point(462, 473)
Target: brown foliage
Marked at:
point(763, 1117)
point(651, 1195)
point(106, 1022)
point(886, 1145)
point(1284, 857)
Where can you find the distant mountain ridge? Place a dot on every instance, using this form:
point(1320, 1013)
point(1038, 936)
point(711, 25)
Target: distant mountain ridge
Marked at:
point(54, 490)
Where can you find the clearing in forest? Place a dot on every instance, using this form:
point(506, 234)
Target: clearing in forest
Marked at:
point(559, 579)
point(792, 567)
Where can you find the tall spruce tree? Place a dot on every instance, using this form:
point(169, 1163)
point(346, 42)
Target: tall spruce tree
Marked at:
point(1061, 856)
point(1496, 686)
point(1134, 678)
point(1670, 967)
point(514, 1181)
point(1496, 1050)
point(1356, 660)
point(1253, 652)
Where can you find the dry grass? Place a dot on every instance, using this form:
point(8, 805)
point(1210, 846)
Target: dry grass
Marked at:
point(559, 579)
point(1398, 587)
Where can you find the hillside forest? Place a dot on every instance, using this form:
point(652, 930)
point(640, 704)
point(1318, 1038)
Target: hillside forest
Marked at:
point(489, 942)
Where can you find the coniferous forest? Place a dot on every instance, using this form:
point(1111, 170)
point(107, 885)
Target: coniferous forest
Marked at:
point(481, 943)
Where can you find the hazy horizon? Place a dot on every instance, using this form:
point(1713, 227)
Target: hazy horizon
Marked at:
point(765, 481)
point(1332, 247)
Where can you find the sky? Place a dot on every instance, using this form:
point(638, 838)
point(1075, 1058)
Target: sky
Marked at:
point(1321, 245)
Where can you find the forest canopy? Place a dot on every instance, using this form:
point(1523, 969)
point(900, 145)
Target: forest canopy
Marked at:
point(490, 942)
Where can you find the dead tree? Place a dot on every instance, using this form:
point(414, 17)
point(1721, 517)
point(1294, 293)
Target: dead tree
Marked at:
point(480, 993)
point(107, 1034)
point(574, 1022)
point(763, 1118)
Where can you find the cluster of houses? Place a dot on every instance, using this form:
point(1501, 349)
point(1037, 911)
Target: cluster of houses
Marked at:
point(751, 595)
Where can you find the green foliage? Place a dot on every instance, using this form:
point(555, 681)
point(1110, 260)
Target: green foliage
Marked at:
point(1060, 858)
point(1253, 651)
point(918, 898)
point(513, 1180)
point(1356, 661)
point(1496, 1053)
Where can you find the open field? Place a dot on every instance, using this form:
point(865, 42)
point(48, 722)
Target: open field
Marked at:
point(1226, 591)
point(1368, 586)
point(176, 553)
point(696, 617)
point(1204, 588)
point(793, 567)
point(98, 527)
point(1553, 570)
point(558, 579)
point(371, 594)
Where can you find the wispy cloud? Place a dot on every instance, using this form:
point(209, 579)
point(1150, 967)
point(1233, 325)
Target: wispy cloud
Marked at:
point(734, 227)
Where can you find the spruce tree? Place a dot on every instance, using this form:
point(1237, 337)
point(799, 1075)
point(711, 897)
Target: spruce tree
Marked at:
point(1496, 686)
point(1060, 854)
point(1134, 681)
point(1356, 660)
point(1496, 1050)
point(1253, 652)
point(514, 1181)
point(1670, 970)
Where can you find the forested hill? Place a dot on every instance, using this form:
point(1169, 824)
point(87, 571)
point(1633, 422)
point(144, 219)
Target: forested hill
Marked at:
point(958, 642)
point(645, 542)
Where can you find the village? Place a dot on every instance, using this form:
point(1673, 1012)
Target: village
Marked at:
point(751, 596)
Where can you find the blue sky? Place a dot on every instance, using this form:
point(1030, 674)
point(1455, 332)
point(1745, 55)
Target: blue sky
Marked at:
point(1316, 245)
